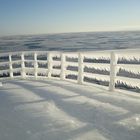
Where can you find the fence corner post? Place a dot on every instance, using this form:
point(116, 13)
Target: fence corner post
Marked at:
point(80, 68)
point(113, 71)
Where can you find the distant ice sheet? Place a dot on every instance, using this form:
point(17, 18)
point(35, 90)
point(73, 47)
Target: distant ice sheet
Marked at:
point(72, 41)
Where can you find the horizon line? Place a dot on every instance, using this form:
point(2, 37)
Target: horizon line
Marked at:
point(73, 32)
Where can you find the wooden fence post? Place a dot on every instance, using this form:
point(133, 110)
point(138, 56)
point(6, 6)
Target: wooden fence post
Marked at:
point(35, 65)
point(63, 68)
point(0, 84)
point(113, 71)
point(23, 74)
point(10, 66)
point(49, 60)
point(80, 68)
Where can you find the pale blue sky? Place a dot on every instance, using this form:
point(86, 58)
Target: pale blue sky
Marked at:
point(57, 16)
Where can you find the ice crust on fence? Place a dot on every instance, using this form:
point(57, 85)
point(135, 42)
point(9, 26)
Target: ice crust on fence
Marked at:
point(76, 66)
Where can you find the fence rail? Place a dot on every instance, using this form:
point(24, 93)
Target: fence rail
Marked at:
point(107, 68)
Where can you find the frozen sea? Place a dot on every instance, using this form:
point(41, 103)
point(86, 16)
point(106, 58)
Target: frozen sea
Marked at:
point(72, 41)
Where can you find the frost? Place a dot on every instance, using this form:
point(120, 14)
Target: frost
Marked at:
point(92, 66)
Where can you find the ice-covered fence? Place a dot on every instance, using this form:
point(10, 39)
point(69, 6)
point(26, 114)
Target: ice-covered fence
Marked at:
point(115, 69)
point(128, 69)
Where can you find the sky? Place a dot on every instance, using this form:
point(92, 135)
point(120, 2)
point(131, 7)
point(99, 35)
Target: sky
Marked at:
point(60, 16)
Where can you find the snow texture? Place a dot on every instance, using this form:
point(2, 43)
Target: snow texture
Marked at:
point(58, 110)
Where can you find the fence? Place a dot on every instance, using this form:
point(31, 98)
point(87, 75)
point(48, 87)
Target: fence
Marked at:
point(115, 69)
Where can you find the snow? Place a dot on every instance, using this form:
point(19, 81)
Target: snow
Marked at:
point(60, 110)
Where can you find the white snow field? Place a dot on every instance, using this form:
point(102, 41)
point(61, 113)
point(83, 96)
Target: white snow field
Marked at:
point(60, 110)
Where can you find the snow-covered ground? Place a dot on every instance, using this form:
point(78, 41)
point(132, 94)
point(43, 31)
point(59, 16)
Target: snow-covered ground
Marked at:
point(58, 110)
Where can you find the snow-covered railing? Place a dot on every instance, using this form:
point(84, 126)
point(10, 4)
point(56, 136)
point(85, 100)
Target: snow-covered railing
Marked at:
point(107, 68)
